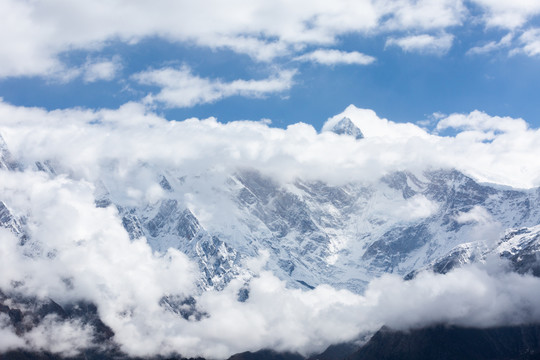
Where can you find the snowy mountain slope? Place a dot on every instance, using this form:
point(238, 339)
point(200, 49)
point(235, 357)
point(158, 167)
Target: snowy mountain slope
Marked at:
point(346, 126)
point(520, 247)
point(314, 233)
point(6, 159)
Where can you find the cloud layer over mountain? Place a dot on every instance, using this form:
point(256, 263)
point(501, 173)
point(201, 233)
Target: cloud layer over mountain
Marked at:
point(495, 149)
point(78, 251)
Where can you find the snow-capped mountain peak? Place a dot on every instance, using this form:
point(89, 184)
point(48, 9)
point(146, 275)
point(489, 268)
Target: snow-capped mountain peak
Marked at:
point(346, 127)
point(6, 159)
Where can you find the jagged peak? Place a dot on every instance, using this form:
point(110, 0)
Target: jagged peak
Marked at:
point(6, 159)
point(346, 126)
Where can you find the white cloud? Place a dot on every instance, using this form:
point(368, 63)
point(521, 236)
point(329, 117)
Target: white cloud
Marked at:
point(508, 14)
point(477, 214)
point(482, 122)
point(462, 297)
point(305, 321)
point(494, 141)
point(527, 43)
point(505, 149)
point(26, 49)
point(485, 229)
point(419, 207)
point(334, 57)
point(414, 208)
point(424, 43)
point(33, 34)
point(36, 35)
point(91, 71)
point(530, 40)
point(505, 41)
point(94, 70)
point(181, 88)
point(422, 14)
point(57, 336)
point(9, 340)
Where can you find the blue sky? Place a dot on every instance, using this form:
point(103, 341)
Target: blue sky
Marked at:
point(410, 59)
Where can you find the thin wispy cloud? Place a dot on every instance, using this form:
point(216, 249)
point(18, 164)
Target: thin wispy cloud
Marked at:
point(504, 42)
point(424, 43)
point(181, 88)
point(530, 42)
point(101, 69)
point(336, 57)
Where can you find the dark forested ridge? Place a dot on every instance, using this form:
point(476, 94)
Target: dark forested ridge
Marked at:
point(437, 342)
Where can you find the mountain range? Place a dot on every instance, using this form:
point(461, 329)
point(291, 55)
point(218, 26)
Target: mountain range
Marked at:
point(309, 232)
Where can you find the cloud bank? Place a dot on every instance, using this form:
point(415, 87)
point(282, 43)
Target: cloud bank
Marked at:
point(505, 149)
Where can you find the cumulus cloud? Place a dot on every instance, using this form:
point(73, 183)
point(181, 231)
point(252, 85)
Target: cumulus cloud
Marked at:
point(518, 42)
point(34, 34)
point(508, 14)
point(485, 298)
point(9, 340)
point(505, 149)
point(307, 321)
point(493, 139)
point(423, 14)
point(60, 337)
point(334, 57)
point(36, 37)
point(424, 43)
point(482, 122)
point(72, 239)
point(181, 88)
